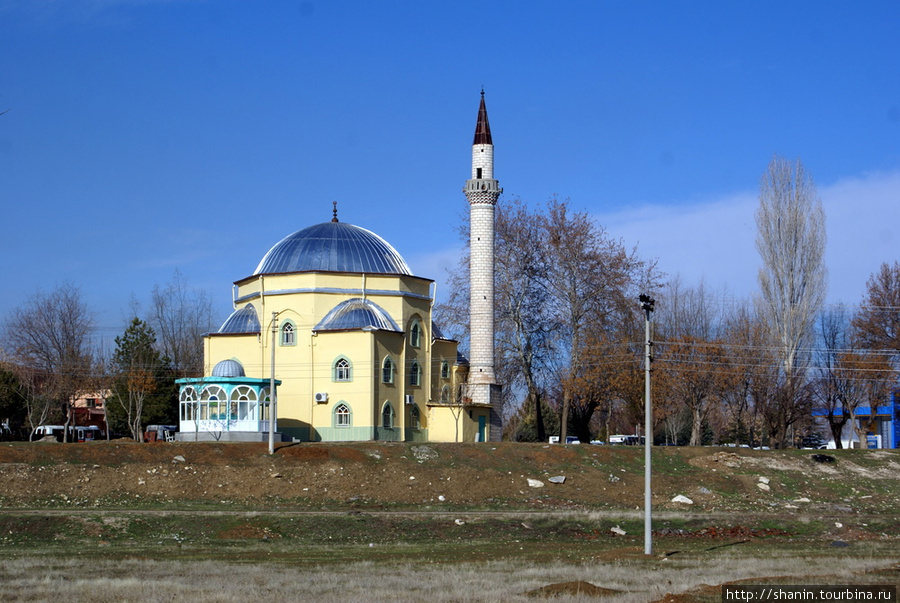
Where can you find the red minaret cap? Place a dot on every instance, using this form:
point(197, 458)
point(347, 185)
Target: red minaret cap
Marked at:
point(482, 128)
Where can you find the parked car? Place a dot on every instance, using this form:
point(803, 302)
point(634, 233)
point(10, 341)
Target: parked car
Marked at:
point(569, 440)
point(627, 440)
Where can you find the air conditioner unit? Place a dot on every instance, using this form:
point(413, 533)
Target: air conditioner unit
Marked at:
point(321, 397)
point(410, 400)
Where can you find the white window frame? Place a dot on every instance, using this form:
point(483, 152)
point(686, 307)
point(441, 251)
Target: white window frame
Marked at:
point(342, 370)
point(343, 416)
point(288, 334)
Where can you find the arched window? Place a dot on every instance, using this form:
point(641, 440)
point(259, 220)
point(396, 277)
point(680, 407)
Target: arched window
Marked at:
point(415, 334)
point(188, 399)
point(342, 416)
point(264, 402)
point(243, 403)
point(414, 417)
point(341, 370)
point(387, 416)
point(288, 334)
point(387, 370)
point(213, 403)
point(445, 370)
point(415, 373)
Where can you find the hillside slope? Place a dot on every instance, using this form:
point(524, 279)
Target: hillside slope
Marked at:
point(400, 476)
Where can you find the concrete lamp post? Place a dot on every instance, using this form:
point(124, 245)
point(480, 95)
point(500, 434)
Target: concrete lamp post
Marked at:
point(647, 306)
point(273, 401)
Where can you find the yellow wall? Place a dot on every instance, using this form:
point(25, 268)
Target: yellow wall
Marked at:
point(306, 368)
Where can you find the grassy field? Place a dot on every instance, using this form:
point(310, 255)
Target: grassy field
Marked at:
point(76, 544)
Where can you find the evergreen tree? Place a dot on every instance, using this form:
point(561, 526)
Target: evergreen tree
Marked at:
point(12, 407)
point(142, 388)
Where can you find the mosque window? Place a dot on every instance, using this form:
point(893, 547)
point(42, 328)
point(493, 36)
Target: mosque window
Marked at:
point(478, 173)
point(288, 334)
point(415, 373)
point(387, 370)
point(342, 415)
point(415, 334)
point(342, 370)
point(445, 370)
point(387, 416)
point(414, 417)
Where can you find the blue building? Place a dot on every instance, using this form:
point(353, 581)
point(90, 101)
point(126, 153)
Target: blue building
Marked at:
point(883, 424)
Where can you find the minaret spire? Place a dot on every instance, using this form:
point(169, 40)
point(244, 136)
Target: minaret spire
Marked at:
point(483, 127)
point(482, 191)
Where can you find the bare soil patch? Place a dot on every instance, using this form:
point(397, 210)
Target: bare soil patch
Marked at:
point(503, 476)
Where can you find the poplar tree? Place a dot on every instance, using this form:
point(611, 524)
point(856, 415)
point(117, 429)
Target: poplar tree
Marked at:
point(790, 239)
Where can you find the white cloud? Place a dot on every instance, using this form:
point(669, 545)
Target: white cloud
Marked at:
point(714, 240)
point(436, 265)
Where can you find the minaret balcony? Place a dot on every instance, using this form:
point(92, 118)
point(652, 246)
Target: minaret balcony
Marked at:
point(483, 186)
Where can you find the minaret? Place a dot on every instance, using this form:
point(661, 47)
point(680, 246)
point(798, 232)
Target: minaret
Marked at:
point(482, 192)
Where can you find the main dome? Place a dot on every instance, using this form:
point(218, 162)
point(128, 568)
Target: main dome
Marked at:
point(333, 247)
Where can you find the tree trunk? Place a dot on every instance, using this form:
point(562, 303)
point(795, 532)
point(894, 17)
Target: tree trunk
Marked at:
point(837, 429)
point(564, 420)
point(68, 422)
point(696, 426)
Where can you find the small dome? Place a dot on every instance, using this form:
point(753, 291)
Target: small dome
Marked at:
point(243, 320)
point(333, 247)
point(228, 368)
point(356, 314)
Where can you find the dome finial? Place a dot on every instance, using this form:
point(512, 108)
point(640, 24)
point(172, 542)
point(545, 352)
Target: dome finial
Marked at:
point(334, 212)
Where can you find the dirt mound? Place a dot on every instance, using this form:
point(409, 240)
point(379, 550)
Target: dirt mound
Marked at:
point(571, 588)
point(395, 475)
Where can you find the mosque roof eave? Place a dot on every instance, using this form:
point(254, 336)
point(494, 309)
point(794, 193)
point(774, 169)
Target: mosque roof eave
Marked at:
point(256, 277)
point(221, 380)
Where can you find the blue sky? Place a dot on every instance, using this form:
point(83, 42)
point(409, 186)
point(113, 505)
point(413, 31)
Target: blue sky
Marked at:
point(145, 136)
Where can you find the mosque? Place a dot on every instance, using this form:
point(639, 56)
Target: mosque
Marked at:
point(336, 322)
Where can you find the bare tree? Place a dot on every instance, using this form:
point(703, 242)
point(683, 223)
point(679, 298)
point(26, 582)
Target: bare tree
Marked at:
point(50, 339)
point(692, 359)
point(877, 323)
point(753, 367)
point(559, 276)
point(181, 315)
point(865, 378)
point(523, 322)
point(791, 242)
point(829, 387)
point(592, 280)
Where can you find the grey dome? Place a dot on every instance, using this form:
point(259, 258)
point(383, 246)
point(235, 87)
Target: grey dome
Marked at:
point(228, 368)
point(243, 320)
point(333, 247)
point(357, 313)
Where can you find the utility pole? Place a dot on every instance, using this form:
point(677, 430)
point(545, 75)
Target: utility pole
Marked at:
point(273, 408)
point(647, 306)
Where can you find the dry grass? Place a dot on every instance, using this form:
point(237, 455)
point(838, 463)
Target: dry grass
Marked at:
point(640, 579)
